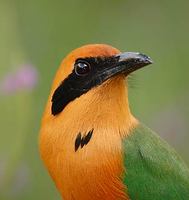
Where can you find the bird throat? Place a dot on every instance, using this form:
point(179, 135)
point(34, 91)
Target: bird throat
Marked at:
point(82, 147)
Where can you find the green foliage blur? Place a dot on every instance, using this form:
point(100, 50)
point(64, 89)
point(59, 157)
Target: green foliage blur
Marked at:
point(42, 32)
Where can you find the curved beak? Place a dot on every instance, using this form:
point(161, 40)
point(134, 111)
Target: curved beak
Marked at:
point(123, 63)
point(128, 62)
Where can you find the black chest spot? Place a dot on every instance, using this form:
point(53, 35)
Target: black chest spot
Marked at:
point(81, 141)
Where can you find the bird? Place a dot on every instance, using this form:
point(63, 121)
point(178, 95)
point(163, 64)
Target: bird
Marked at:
point(92, 144)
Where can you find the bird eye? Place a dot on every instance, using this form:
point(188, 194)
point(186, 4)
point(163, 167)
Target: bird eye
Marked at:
point(82, 68)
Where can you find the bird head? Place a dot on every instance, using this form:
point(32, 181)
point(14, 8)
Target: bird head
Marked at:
point(89, 69)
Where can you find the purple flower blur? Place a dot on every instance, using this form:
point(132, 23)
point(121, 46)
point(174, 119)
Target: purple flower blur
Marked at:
point(25, 78)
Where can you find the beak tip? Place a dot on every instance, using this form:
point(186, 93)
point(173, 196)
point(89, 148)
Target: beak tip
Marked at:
point(145, 59)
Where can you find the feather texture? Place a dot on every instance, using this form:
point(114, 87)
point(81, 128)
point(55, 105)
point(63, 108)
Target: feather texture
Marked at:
point(153, 168)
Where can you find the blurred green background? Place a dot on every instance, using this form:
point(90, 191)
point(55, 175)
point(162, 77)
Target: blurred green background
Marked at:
point(36, 35)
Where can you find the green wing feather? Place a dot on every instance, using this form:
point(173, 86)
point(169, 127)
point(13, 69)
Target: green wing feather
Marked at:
point(154, 171)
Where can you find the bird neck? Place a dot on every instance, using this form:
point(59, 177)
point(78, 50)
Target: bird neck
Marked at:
point(101, 107)
point(105, 106)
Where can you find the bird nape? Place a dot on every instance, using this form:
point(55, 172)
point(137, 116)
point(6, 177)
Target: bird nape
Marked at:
point(92, 145)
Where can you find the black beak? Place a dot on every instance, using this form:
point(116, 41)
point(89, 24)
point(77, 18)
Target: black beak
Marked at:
point(130, 61)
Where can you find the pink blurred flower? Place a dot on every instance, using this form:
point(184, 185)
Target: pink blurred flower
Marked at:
point(25, 78)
